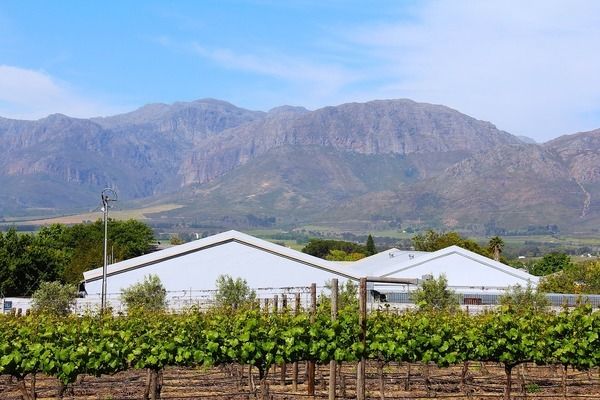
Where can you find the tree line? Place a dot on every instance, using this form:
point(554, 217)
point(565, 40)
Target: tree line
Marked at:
point(62, 253)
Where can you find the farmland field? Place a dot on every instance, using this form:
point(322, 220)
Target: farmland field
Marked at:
point(207, 354)
point(482, 381)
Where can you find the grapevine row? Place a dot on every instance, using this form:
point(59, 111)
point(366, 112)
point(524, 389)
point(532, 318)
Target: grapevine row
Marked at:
point(97, 345)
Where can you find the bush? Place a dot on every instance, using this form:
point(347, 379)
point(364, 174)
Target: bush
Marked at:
point(233, 293)
point(434, 295)
point(54, 298)
point(149, 295)
point(347, 295)
point(521, 299)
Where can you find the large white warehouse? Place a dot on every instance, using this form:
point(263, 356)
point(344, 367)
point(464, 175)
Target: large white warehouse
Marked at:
point(189, 269)
point(195, 266)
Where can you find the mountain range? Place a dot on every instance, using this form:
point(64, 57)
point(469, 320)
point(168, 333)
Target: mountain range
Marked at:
point(384, 163)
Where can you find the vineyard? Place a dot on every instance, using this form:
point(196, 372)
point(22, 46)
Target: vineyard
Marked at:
point(263, 351)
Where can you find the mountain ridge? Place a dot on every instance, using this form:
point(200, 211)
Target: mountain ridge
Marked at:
point(395, 159)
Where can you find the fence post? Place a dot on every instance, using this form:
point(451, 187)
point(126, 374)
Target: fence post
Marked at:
point(283, 364)
point(362, 322)
point(295, 364)
point(334, 312)
point(311, 363)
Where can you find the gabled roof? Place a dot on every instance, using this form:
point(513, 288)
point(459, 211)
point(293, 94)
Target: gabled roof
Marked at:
point(217, 240)
point(382, 261)
point(453, 259)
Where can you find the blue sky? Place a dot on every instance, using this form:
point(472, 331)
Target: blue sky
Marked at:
point(530, 67)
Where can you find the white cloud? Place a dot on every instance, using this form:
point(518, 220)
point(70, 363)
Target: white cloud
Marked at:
point(529, 67)
point(328, 77)
point(302, 80)
point(29, 94)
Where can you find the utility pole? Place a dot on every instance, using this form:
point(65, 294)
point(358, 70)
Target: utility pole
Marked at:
point(107, 196)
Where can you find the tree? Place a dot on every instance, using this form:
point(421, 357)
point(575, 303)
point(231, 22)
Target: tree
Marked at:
point(551, 263)
point(126, 239)
point(176, 240)
point(54, 298)
point(370, 247)
point(233, 293)
point(577, 278)
point(322, 247)
point(149, 295)
point(26, 260)
point(526, 299)
point(434, 295)
point(495, 247)
point(433, 241)
point(341, 255)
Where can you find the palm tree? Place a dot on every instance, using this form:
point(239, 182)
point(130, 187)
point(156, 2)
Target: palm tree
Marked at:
point(495, 246)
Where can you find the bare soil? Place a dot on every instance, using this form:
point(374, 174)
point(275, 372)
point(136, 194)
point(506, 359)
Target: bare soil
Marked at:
point(400, 381)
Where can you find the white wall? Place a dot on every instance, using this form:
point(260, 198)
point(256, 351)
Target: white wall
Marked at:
point(199, 271)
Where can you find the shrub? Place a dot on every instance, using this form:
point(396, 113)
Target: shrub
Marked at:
point(434, 295)
point(149, 295)
point(233, 292)
point(522, 299)
point(54, 298)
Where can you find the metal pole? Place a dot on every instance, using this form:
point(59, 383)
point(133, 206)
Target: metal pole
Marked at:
point(105, 265)
point(107, 196)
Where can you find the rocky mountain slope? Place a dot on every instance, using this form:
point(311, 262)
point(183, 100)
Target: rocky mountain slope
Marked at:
point(376, 162)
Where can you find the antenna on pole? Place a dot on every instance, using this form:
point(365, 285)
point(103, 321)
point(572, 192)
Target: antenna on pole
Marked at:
point(107, 196)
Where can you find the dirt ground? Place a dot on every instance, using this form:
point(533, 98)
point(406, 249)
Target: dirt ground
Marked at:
point(404, 381)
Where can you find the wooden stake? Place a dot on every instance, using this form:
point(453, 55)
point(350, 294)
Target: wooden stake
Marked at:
point(362, 322)
point(311, 363)
point(334, 313)
point(295, 364)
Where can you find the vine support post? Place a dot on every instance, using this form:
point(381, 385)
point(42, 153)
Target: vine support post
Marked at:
point(283, 364)
point(362, 322)
point(311, 363)
point(334, 313)
point(295, 364)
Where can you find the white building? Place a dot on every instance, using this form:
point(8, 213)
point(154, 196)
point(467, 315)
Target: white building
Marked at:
point(477, 279)
point(189, 271)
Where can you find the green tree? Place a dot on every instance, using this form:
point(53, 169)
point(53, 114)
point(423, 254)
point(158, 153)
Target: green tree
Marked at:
point(322, 247)
point(149, 295)
point(434, 295)
point(577, 278)
point(126, 239)
point(551, 263)
point(26, 260)
point(233, 293)
point(525, 299)
point(370, 247)
point(495, 247)
point(54, 298)
point(176, 240)
point(433, 241)
point(341, 255)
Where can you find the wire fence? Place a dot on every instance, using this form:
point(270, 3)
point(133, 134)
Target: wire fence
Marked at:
point(277, 298)
point(180, 300)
